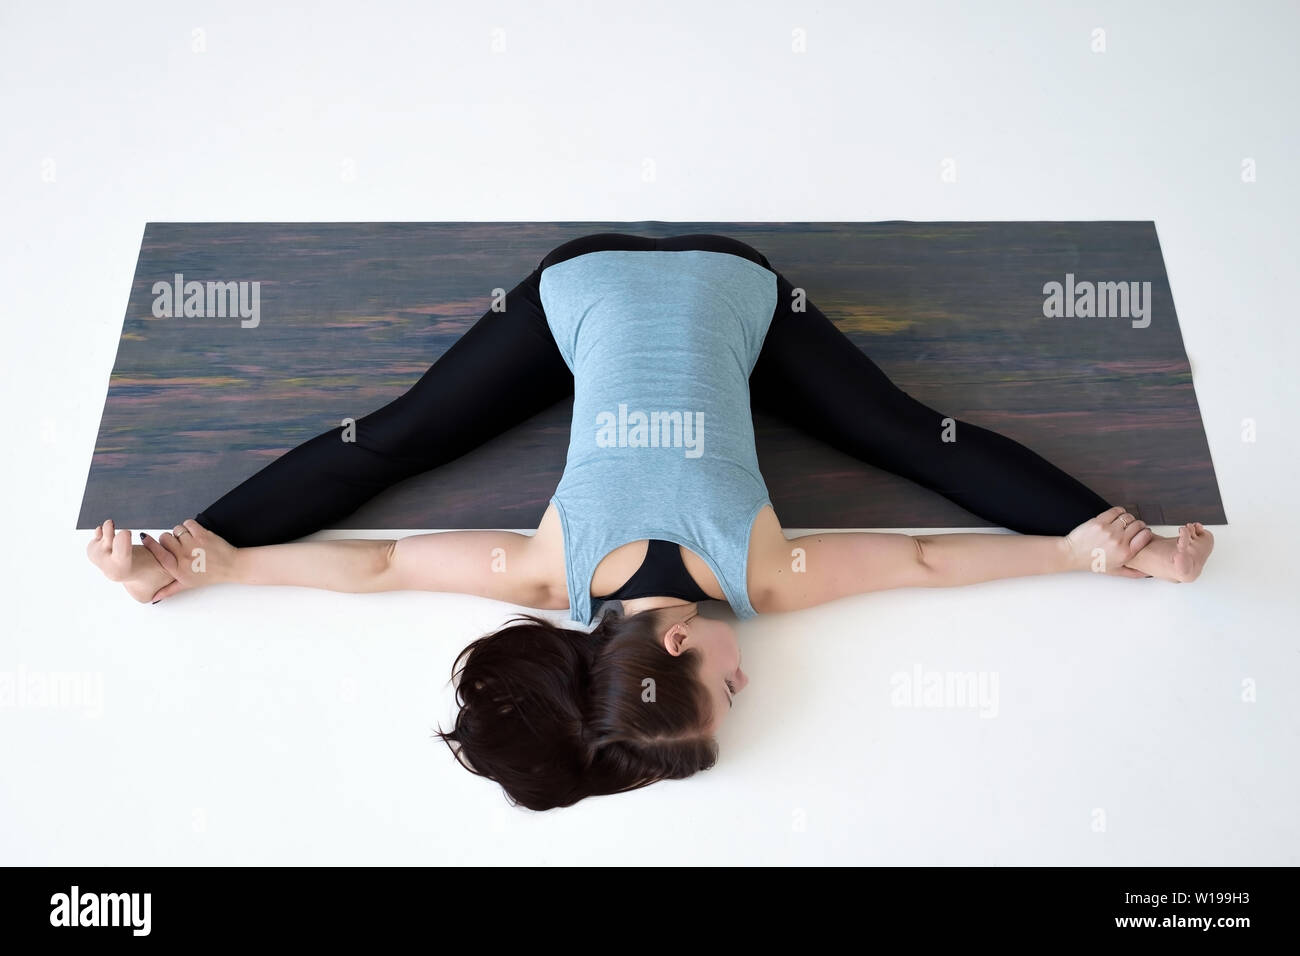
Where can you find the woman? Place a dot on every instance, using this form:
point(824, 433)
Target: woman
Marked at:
point(664, 345)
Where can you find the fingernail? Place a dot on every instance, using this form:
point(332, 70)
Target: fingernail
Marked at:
point(155, 602)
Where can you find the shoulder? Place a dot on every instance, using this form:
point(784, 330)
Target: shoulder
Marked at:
point(547, 559)
point(769, 560)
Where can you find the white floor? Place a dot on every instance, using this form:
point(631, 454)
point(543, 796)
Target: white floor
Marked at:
point(1133, 722)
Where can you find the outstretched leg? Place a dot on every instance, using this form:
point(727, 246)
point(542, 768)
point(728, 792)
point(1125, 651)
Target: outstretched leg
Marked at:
point(503, 370)
point(810, 374)
point(813, 376)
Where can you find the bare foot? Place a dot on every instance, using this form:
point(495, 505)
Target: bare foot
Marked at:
point(134, 567)
point(1194, 547)
point(110, 551)
point(144, 583)
point(1176, 559)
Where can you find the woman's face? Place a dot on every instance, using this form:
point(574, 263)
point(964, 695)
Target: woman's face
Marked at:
point(720, 668)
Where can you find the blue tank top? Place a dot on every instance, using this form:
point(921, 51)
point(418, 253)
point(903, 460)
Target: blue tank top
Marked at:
point(661, 344)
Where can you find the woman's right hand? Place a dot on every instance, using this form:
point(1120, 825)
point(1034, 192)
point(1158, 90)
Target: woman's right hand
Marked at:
point(1117, 535)
point(194, 558)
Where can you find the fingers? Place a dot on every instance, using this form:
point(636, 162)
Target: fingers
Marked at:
point(1110, 514)
point(170, 542)
point(1127, 572)
point(171, 549)
point(1141, 540)
point(163, 556)
point(1122, 527)
point(182, 537)
point(107, 539)
point(167, 590)
point(1132, 530)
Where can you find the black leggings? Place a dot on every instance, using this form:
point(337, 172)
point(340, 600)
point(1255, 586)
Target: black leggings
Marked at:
point(808, 374)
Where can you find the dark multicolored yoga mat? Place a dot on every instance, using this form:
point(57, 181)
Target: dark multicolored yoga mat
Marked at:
point(1090, 372)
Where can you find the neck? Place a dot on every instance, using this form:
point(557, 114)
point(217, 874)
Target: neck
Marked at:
point(637, 605)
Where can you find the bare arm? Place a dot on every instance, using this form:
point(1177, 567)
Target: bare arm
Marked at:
point(502, 565)
point(818, 568)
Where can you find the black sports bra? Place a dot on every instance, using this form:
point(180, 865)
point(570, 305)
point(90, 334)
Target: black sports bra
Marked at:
point(662, 574)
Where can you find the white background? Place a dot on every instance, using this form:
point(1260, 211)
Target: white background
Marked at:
point(290, 726)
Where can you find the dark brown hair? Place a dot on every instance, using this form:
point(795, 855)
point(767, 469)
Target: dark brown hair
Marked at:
point(555, 714)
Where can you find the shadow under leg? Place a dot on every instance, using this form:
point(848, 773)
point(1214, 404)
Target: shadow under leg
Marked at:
point(503, 370)
point(812, 375)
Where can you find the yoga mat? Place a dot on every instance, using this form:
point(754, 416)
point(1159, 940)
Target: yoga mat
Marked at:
point(350, 314)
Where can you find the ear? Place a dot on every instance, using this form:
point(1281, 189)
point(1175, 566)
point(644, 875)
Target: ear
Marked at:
point(673, 638)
